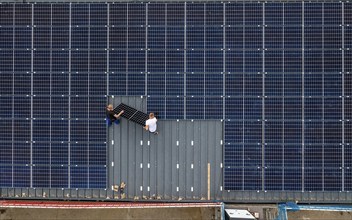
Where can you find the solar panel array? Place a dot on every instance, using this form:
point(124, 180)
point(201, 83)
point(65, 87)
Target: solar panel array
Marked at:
point(277, 73)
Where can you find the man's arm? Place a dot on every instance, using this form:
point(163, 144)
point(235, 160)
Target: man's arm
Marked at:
point(146, 127)
point(117, 116)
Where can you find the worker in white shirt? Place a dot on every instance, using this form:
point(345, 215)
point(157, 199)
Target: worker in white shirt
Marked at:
point(150, 124)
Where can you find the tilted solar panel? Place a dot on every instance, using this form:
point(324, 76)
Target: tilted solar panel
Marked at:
point(131, 114)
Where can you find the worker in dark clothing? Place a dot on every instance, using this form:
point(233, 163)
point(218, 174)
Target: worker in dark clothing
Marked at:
point(111, 117)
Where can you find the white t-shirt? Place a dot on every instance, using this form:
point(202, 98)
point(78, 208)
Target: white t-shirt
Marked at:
point(151, 124)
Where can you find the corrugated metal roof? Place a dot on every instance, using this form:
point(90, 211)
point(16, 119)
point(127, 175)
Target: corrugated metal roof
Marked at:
point(171, 165)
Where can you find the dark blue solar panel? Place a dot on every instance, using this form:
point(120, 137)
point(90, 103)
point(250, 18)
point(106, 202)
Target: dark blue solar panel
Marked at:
point(59, 153)
point(174, 108)
point(274, 37)
point(23, 14)
point(136, 14)
point(234, 37)
point(6, 155)
point(60, 14)
point(175, 14)
point(40, 63)
point(273, 132)
point(79, 37)
point(117, 38)
point(136, 37)
point(253, 37)
point(292, 37)
point(97, 177)
point(6, 131)
point(59, 107)
point(252, 108)
point(274, 61)
point(6, 34)
point(313, 13)
point(22, 37)
point(273, 14)
point(21, 176)
point(195, 14)
point(273, 178)
point(96, 132)
point(252, 133)
point(175, 61)
point(80, 14)
point(60, 37)
point(59, 133)
point(156, 84)
point(6, 176)
point(42, 37)
point(234, 13)
point(273, 108)
point(22, 61)
point(253, 13)
point(41, 153)
point(195, 107)
point(21, 153)
point(214, 37)
point(136, 61)
point(6, 110)
point(156, 38)
point(79, 133)
point(333, 132)
point(213, 61)
point(79, 153)
point(174, 84)
point(97, 151)
point(195, 37)
point(253, 61)
point(98, 37)
point(97, 84)
point(234, 108)
point(41, 130)
point(195, 61)
point(214, 14)
point(136, 84)
point(157, 105)
point(195, 84)
point(117, 83)
point(6, 17)
point(59, 176)
point(292, 133)
point(156, 61)
point(77, 104)
point(118, 14)
point(313, 37)
point(252, 178)
point(79, 177)
point(213, 108)
point(313, 109)
point(40, 176)
point(98, 14)
point(6, 57)
point(313, 180)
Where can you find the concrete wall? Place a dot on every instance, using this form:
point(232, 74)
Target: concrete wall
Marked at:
point(109, 214)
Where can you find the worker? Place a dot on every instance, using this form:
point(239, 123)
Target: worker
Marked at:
point(150, 124)
point(111, 117)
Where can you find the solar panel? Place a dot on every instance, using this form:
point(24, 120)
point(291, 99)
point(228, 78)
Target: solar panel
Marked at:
point(131, 114)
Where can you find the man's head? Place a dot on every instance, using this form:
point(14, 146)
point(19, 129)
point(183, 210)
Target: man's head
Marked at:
point(110, 107)
point(151, 115)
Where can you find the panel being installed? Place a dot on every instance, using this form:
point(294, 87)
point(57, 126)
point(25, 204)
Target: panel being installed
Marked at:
point(131, 114)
